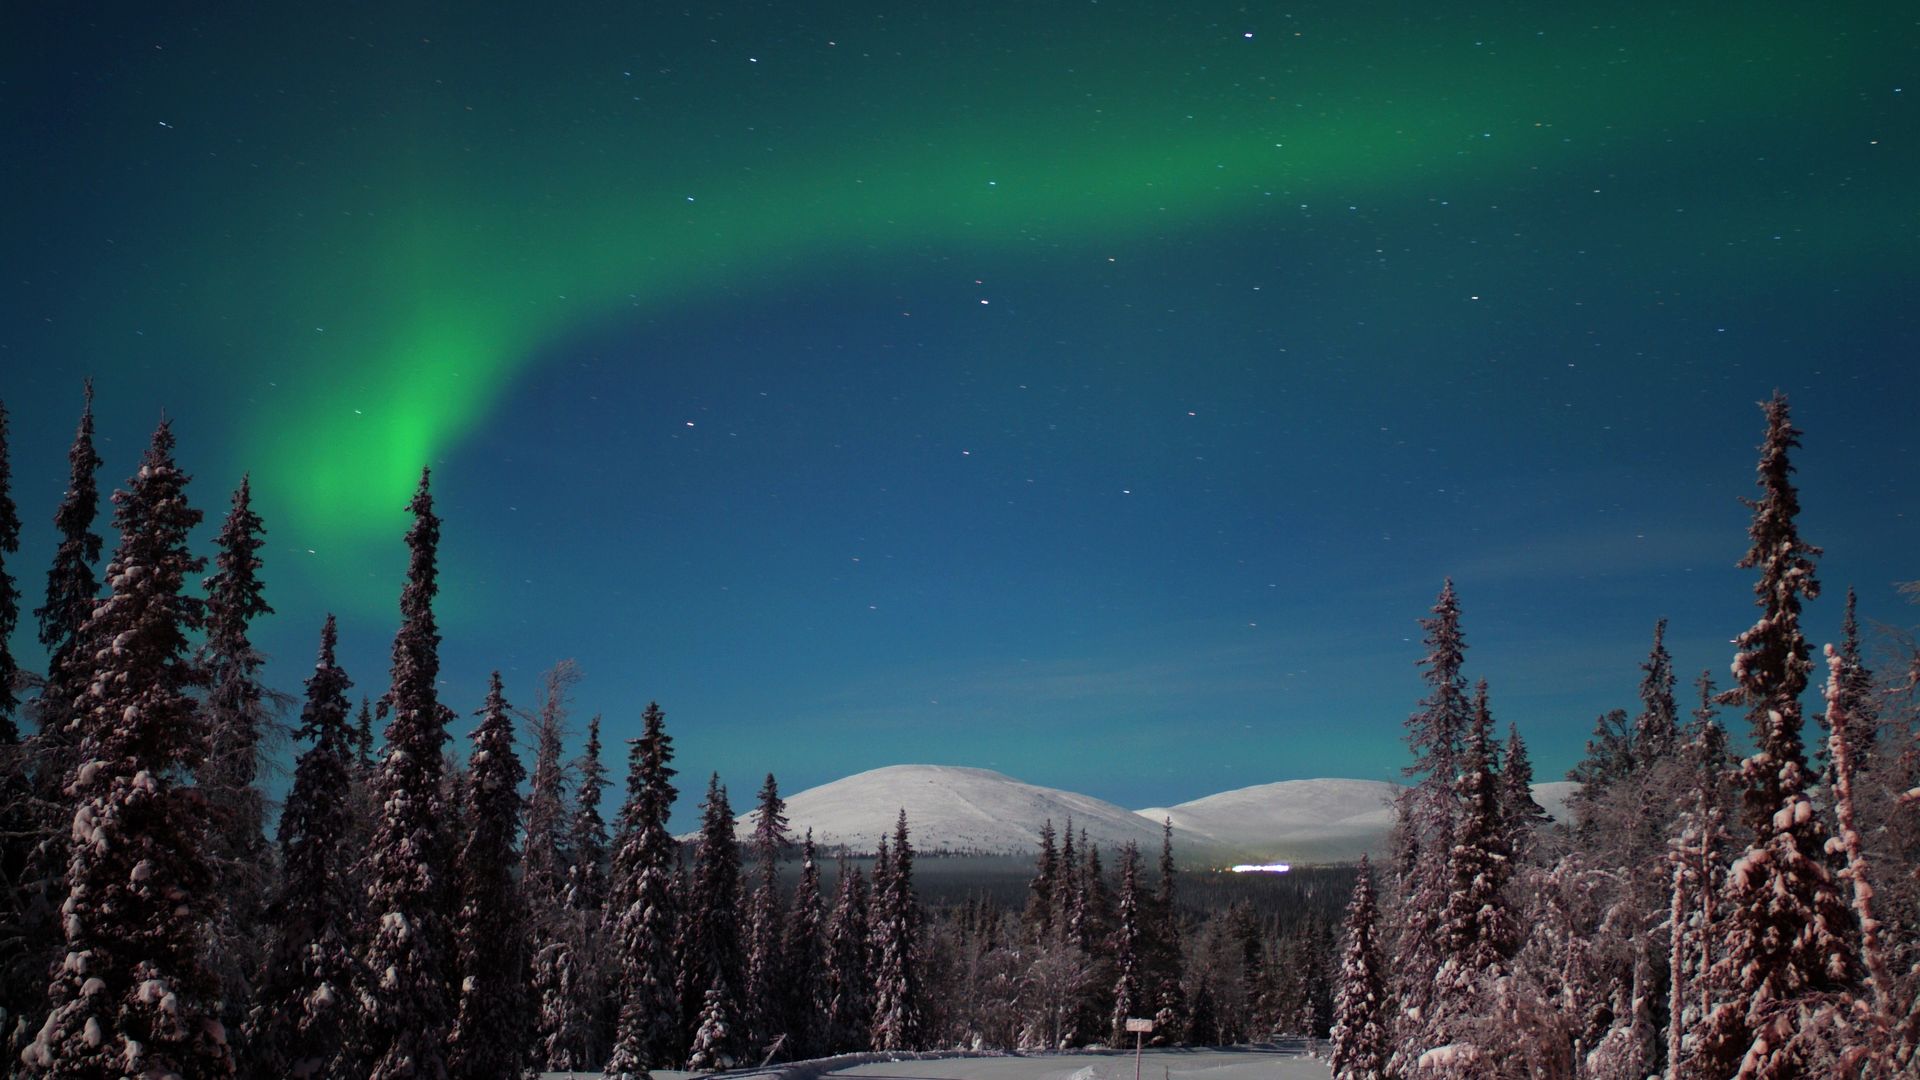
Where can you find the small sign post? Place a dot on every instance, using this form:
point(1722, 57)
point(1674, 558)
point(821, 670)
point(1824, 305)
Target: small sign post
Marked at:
point(1139, 1029)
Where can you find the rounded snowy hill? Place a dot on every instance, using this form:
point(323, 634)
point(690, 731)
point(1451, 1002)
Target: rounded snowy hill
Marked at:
point(959, 810)
point(1306, 821)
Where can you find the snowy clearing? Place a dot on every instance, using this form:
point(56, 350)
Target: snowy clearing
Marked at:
point(1239, 1063)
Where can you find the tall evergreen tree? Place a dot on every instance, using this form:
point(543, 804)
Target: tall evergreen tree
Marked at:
point(20, 983)
point(1518, 808)
point(1480, 930)
point(1656, 731)
point(766, 980)
point(71, 591)
point(1362, 1039)
point(849, 1006)
point(300, 1024)
point(570, 1031)
point(1037, 923)
point(546, 854)
point(898, 1008)
point(804, 958)
point(1164, 954)
point(236, 716)
point(1129, 987)
point(643, 908)
point(134, 996)
point(363, 738)
point(712, 959)
point(1787, 938)
point(489, 1038)
point(1425, 826)
point(404, 1002)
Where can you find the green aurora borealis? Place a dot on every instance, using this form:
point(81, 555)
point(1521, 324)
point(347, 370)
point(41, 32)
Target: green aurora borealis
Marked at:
point(344, 240)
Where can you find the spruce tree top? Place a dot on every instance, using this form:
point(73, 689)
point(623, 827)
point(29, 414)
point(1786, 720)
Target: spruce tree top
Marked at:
point(70, 582)
point(1434, 731)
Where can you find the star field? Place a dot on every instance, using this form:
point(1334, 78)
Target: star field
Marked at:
point(1096, 392)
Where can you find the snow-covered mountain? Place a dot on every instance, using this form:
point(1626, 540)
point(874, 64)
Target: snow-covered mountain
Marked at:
point(1290, 821)
point(978, 811)
point(956, 809)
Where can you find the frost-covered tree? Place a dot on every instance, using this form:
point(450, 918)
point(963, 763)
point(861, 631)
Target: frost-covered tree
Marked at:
point(804, 959)
point(849, 1005)
point(898, 1006)
point(714, 1041)
point(642, 908)
point(1161, 950)
point(20, 985)
point(766, 981)
point(1425, 822)
point(134, 996)
point(1362, 1038)
point(1656, 731)
point(1129, 986)
point(712, 960)
point(490, 1033)
point(1522, 814)
point(404, 1001)
point(71, 590)
point(1037, 923)
point(1479, 930)
point(1788, 940)
point(301, 1020)
point(544, 866)
point(587, 833)
point(235, 711)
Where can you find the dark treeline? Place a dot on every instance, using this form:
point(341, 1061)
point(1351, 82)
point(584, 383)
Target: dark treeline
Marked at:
point(437, 908)
point(1704, 915)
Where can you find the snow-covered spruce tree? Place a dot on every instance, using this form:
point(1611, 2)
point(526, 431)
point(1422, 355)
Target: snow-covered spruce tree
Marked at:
point(544, 863)
point(804, 958)
point(1162, 952)
point(49, 752)
point(1656, 731)
point(1789, 937)
point(299, 1024)
point(1068, 893)
point(1697, 865)
point(363, 738)
point(20, 986)
point(1522, 814)
point(490, 1034)
point(898, 1010)
point(642, 908)
point(849, 1007)
point(1362, 1039)
point(766, 980)
point(1129, 988)
point(711, 959)
point(1424, 826)
point(1875, 1046)
point(404, 1000)
point(1036, 923)
point(134, 996)
point(236, 716)
point(1480, 932)
point(714, 1040)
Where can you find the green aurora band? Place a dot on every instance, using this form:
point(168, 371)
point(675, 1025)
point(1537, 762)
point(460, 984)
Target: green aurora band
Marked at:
point(450, 211)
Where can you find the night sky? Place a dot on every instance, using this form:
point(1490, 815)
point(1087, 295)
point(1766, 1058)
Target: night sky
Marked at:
point(1096, 392)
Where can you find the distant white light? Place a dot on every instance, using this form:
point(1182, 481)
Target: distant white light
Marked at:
point(1262, 868)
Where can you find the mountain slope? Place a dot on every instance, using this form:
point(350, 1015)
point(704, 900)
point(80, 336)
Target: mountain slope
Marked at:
point(1292, 820)
point(960, 810)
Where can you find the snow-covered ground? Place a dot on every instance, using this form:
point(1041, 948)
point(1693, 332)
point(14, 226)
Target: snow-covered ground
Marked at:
point(1240, 1063)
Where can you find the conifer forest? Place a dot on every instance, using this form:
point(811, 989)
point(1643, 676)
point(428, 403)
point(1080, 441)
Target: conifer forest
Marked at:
point(429, 904)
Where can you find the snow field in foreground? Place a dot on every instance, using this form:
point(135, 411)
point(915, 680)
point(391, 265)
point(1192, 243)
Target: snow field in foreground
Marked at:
point(1102, 1065)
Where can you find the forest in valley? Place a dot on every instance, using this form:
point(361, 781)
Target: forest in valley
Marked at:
point(1736, 894)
